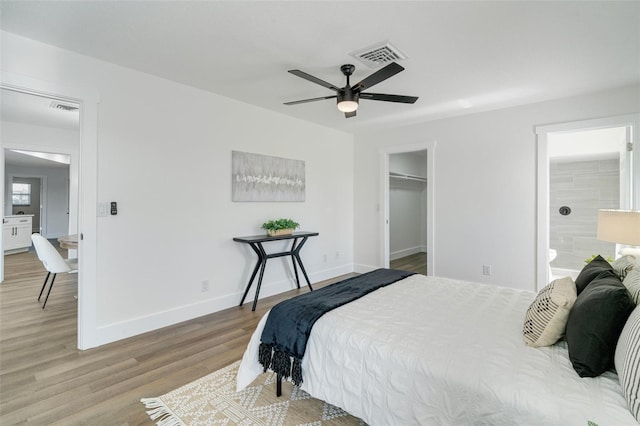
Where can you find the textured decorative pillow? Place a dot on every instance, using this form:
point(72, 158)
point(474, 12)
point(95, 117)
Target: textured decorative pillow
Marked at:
point(590, 272)
point(595, 323)
point(546, 318)
point(623, 265)
point(632, 283)
point(627, 361)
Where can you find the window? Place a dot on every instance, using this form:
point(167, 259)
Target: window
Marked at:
point(21, 194)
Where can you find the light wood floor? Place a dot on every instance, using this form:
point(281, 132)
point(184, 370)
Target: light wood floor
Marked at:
point(45, 380)
point(414, 263)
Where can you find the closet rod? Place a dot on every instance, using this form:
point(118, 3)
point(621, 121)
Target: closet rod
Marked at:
point(407, 177)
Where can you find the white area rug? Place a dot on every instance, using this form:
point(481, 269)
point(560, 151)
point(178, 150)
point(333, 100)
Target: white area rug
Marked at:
point(212, 400)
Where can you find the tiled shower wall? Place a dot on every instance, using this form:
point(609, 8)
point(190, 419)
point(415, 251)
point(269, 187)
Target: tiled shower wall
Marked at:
point(585, 187)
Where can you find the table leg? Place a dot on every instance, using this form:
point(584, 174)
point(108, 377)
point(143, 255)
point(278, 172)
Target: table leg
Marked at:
point(255, 299)
point(296, 255)
point(253, 275)
point(263, 261)
point(304, 272)
point(293, 261)
point(278, 384)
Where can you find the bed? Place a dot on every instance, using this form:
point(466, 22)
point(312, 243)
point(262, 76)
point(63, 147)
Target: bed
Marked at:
point(436, 351)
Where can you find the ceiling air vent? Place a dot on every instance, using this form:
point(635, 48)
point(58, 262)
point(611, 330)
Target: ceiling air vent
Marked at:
point(63, 106)
point(379, 54)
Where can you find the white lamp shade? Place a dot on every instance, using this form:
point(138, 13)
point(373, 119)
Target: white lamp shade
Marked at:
point(347, 106)
point(619, 226)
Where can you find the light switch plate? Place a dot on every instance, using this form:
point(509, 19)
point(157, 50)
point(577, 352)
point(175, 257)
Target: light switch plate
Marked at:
point(103, 209)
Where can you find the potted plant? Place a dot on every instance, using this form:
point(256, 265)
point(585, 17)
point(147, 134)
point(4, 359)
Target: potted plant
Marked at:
point(593, 256)
point(280, 227)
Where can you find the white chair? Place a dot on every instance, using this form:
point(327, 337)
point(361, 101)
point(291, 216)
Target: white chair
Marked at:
point(52, 261)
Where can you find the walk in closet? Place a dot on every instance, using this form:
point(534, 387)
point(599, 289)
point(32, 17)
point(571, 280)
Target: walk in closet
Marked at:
point(407, 204)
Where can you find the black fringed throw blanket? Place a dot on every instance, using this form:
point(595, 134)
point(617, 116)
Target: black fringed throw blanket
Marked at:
point(284, 338)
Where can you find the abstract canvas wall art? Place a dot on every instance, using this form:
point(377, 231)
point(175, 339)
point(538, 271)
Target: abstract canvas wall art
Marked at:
point(257, 177)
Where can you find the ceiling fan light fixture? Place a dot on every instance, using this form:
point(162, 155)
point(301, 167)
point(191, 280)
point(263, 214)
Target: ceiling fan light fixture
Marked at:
point(347, 106)
point(347, 101)
point(348, 97)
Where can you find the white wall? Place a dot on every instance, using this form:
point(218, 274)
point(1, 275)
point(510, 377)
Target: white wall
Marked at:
point(406, 218)
point(46, 139)
point(155, 139)
point(485, 185)
point(411, 163)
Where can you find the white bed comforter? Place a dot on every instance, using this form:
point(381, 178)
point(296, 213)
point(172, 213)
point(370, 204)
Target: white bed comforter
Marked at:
point(434, 351)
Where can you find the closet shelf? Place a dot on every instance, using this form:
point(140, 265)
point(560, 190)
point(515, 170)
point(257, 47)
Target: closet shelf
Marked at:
point(406, 176)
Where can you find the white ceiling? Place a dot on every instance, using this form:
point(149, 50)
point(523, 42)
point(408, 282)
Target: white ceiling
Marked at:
point(25, 108)
point(18, 159)
point(34, 110)
point(486, 54)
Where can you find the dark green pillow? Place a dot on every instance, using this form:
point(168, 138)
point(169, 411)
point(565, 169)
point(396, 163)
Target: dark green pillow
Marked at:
point(595, 323)
point(591, 271)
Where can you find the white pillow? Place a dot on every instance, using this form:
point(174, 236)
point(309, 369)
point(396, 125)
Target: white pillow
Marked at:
point(546, 318)
point(627, 362)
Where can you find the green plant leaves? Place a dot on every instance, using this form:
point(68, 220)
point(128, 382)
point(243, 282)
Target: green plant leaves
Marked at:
point(277, 224)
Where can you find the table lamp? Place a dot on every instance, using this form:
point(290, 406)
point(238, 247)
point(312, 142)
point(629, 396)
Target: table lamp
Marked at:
point(621, 227)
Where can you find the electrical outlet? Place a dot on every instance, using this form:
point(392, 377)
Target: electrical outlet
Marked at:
point(486, 269)
point(337, 254)
point(325, 257)
point(204, 286)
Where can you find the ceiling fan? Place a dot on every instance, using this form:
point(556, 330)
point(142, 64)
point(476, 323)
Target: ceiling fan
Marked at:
point(348, 97)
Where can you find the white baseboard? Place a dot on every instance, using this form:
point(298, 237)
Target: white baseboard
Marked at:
point(271, 289)
point(363, 269)
point(407, 252)
point(122, 330)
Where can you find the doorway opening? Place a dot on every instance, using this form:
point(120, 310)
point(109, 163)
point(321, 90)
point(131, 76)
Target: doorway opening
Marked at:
point(39, 143)
point(408, 211)
point(582, 167)
point(407, 207)
point(83, 181)
point(588, 170)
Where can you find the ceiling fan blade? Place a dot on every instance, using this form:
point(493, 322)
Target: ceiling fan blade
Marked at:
point(378, 76)
point(304, 101)
point(389, 98)
point(313, 79)
point(349, 114)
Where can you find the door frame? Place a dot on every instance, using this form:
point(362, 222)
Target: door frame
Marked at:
point(385, 152)
point(542, 135)
point(88, 101)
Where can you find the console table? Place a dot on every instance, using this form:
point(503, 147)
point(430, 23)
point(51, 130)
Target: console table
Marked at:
point(256, 241)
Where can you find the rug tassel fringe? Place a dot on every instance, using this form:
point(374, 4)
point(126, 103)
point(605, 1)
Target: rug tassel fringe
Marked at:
point(160, 412)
